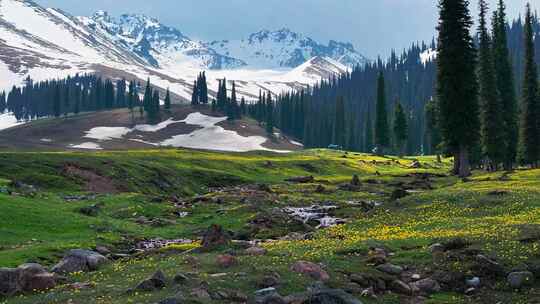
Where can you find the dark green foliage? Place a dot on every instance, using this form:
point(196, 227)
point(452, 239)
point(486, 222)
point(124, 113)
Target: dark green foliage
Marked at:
point(269, 115)
point(457, 88)
point(433, 134)
point(400, 127)
point(382, 130)
point(339, 123)
point(167, 102)
point(233, 109)
point(368, 139)
point(492, 132)
point(530, 134)
point(506, 86)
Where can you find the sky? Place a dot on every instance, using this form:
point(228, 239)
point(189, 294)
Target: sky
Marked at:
point(374, 27)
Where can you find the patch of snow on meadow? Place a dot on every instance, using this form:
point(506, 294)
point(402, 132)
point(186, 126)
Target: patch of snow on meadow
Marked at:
point(154, 128)
point(212, 137)
point(8, 120)
point(107, 133)
point(87, 146)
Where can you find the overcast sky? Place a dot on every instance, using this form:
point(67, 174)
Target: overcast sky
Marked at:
point(373, 26)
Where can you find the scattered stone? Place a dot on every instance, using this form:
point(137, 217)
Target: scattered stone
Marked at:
point(390, 269)
point(320, 189)
point(470, 291)
point(160, 243)
point(301, 179)
point(200, 293)
point(155, 282)
point(225, 260)
point(377, 256)
point(90, 210)
point(180, 279)
point(80, 260)
point(400, 287)
point(474, 282)
point(456, 244)
point(78, 198)
point(520, 279)
point(25, 278)
point(398, 194)
point(489, 266)
point(355, 180)
point(311, 269)
point(426, 285)
point(353, 288)
point(271, 279)
point(359, 279)
point(102, 250)
point(256, 251)
point(437, 248)
point(415, 165)
point(268, 296)
point(81, 286)
point(328, 296)
point(416, 277)
point(264, 188)
point(215, 236)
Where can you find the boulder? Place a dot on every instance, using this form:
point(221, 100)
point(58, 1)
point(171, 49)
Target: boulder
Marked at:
point(390, 269)
point(520, 279)
point(270, 279)
point(399, 193)
point(256, 251)
point(311, 269)
point(180, 279)
point(401, 287)
point(79, 260)
point(473, 282)
point(155, 282)
point(90, 210)
point(489, 266)
point(268, 296)
point(29, 277)
point(214, 237)
point(225, 260)
point(427, 285)
point(359, 279)
point(331, 296)
point(355, 181)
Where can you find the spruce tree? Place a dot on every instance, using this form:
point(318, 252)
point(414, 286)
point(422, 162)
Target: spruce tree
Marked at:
point(382, 136)
point(457, 88)
point(167, 102)
point(505, 86)
point(147, 99)
point(57, 101)
point(195, 94)
point(339, 123)
point(400, 128)
point(490, 104)
point(368, 137)
point(433, 134)
point(530, 137)
point(269, 115)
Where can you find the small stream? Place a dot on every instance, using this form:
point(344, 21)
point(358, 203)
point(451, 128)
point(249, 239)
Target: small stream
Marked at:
point(320, 214)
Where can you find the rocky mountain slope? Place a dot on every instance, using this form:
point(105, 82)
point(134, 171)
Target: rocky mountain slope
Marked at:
point(50, 43)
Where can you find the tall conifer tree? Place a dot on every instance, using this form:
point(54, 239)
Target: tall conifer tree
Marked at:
point(457, 88)
point(382, 136)
point(400, 128)
point(530, 137)
point(339, 123)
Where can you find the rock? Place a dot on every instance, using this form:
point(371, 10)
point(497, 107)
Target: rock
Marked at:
point(400, 287)
point(155, 282)
point(359, 279)
point(437, 248)
point(256, 251)
point(415, 277)
point(225, 260)
point(90, 210)
point(377, 256)
point(455, 244)
point(331, 296)
point(474, 282)
point(268, 296)
point(355, 181)
point(353, 288)
point(520, 279)
point(264, 188)
point(311, 269)
point(301, 179)
point(9, 282)
point(320, 189)
point(102, 250)
point(180, 279)
point(426, 285)
point(79, 260)
point(271, 279)
point(200, 293)
point(29, 277)
point(81, 286)
point(398, 193)
point(415, 165)
point(470, 291)
point(39, 282)
point(215, 236)
point(390, 269)
point(489, 266)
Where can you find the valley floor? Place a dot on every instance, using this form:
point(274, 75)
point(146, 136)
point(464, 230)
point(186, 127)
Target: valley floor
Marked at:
point(382, 251)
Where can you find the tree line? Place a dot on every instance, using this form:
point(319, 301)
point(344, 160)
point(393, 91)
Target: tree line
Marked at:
point(80, 93)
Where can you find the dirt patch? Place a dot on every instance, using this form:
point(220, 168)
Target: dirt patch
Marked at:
point(93, 182)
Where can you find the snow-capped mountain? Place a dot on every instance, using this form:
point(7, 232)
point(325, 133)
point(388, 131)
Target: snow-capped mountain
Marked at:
point(50, 43)
point(159, 45)
point(285, 48)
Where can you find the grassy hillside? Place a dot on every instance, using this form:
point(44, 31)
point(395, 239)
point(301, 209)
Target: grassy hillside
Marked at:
point(493, 214)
